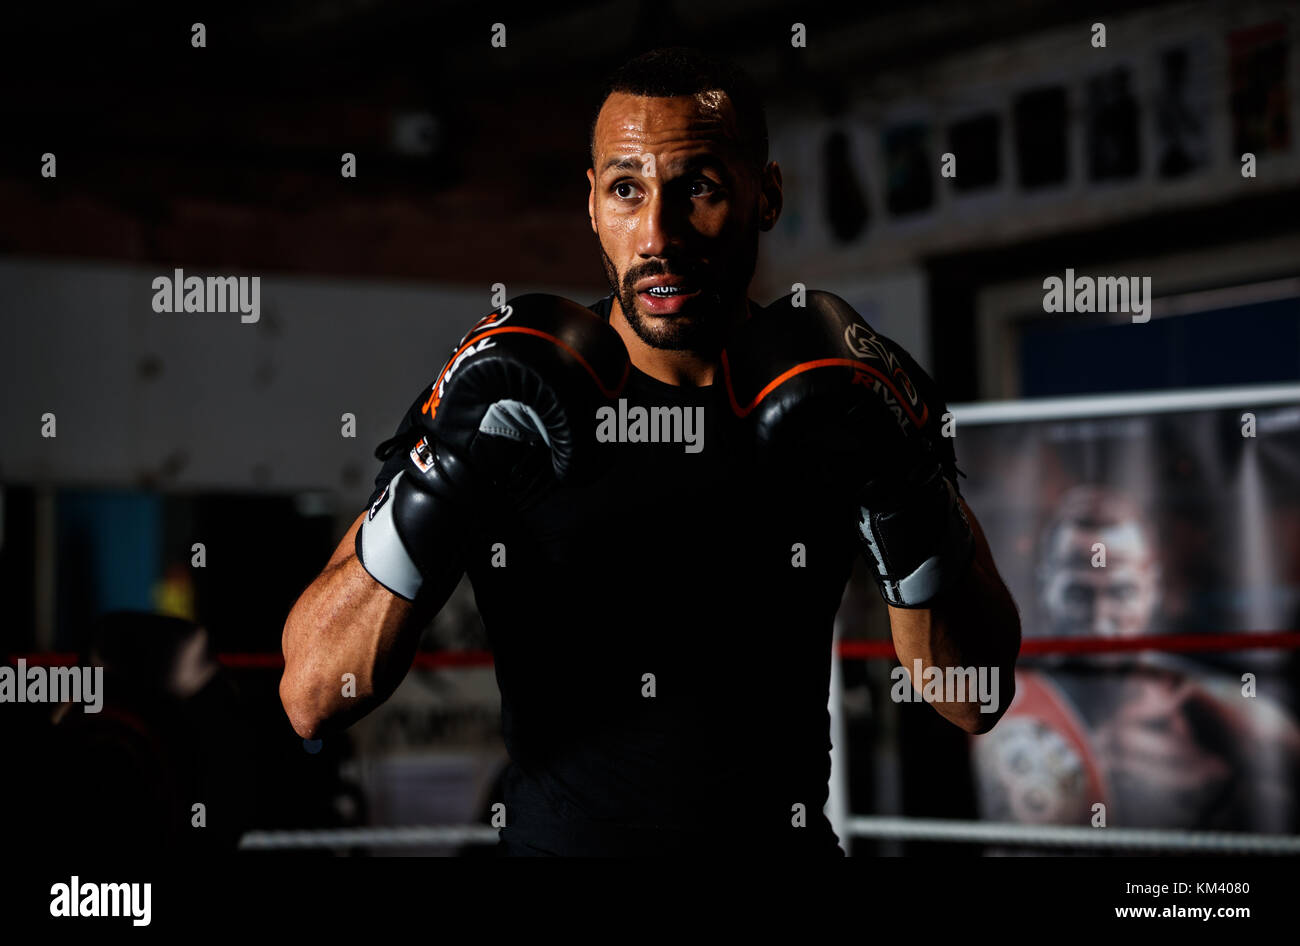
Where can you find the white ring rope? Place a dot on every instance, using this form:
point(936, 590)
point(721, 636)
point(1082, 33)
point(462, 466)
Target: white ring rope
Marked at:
point(1070, 836)
point(879, 827)
point(417, 836)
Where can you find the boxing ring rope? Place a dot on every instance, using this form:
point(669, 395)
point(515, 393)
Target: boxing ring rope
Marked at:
point(883, 828)
point(867, 827)
point(333, 838)
point(880, 828)
point(1113, 405)
point(1134, 840)
point(894, 828)
point(846, 650)
point(846, 825)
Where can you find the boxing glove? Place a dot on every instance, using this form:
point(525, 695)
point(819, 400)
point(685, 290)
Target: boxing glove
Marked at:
point(510, 414)
point(821, 394)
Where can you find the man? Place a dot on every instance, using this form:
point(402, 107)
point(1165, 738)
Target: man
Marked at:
point(658, 508)
point(1044, 765)
point(1161, 740)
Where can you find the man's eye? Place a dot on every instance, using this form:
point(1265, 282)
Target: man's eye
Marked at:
point(1077, 594)
point(619, 185)
point(705, 183)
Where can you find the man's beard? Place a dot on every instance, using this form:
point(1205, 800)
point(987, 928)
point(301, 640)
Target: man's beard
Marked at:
point(702, 323)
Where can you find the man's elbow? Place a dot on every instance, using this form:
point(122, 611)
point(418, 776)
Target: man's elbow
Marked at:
point(979, 723)
point(984, 716)
point(304, 712)
point(300, 697)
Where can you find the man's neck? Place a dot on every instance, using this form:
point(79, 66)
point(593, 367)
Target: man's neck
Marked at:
point(683, 368)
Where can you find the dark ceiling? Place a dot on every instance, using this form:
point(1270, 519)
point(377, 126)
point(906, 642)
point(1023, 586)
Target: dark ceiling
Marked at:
point(231, 153)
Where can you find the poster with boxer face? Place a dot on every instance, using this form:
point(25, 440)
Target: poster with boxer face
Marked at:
point(1123, 527)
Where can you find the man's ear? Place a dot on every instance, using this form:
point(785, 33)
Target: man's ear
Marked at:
point(591, 198)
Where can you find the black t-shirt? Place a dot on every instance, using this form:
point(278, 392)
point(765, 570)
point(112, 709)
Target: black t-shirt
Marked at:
point(675, 573)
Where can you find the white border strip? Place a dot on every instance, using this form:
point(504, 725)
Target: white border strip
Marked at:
point(1110, 405)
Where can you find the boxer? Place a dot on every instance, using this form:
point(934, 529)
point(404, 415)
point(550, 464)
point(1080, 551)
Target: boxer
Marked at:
point(661, 618)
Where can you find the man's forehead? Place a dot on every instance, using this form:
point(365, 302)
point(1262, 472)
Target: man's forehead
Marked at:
point(1127, 553)
point(625, 120)
point(1125, 535)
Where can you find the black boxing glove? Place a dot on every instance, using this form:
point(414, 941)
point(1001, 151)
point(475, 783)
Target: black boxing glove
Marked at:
point(512, 412)
point(818, 390)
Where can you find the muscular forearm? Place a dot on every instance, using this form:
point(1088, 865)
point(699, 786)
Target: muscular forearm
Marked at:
point(344, 623)
point(974, 625)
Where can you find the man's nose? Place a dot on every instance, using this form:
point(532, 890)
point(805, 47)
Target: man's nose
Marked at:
point(660, 230)
point(1104, 620)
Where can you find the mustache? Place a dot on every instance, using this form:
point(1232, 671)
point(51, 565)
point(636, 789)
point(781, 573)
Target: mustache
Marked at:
point(695, 275)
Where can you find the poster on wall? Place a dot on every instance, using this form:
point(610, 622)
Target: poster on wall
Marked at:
point(1257, 76)
point(1117, 528)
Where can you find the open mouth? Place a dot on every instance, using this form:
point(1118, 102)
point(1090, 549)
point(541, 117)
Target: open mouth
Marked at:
point(664, 299)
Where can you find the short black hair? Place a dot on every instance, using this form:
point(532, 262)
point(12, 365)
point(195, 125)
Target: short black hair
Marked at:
point(683, 70)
